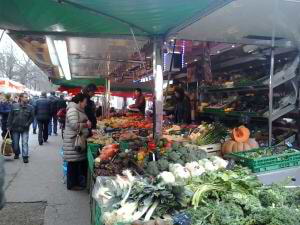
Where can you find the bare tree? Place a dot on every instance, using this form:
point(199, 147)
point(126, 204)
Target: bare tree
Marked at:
point(8, 63)
point(20, 68)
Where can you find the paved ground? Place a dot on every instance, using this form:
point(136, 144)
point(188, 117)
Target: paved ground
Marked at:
point(42, 181)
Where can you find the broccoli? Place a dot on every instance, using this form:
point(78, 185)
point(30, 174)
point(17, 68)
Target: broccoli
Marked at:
point(275, 216)
point(271, 197)
point(173, 156)
point(152, 168)
point(293, 197)
point(163, 165)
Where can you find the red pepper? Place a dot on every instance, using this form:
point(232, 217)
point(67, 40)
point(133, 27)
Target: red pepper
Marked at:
point(151, 146)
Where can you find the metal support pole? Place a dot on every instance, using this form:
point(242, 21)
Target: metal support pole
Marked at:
point(108, 97)
point(158, 87)
point(1, 36)
point(270, 119)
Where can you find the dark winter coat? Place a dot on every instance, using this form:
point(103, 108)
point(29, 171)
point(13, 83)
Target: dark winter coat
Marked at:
point(54, 105)
point(20, 117)
point(76, 120)
point(90, 111)
point(5, 107)
point(183, 111)
point(1, 182)
point(42, 110)
point(61, 104)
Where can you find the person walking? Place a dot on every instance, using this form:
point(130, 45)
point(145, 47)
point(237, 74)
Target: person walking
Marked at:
point(43, 114)
point(77, 125)
point(5, 108)
point(53, 120)
point(19, 121)
point(34, 123)
point(90, 109)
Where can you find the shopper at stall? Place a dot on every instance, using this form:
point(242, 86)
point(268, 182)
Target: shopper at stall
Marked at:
point(140, 101)
point(43, 114)
point(61, 103)
point(182, 112)
point(90, 109)
point(19, 121)
point(5, 108)
point(77, 128)
point(62, 111)
point(53, 120)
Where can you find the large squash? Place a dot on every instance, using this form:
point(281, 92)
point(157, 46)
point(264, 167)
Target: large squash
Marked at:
point(240, 134)
point(234, 146)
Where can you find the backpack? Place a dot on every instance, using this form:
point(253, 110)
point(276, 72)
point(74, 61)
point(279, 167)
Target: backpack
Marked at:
point(61, 115)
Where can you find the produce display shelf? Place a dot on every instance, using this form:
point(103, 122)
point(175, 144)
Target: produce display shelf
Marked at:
point(222, 113)
point(246, 87)
point(269, 163)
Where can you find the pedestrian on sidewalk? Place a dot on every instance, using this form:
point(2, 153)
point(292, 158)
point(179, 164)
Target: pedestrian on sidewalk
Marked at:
point(77, 123)
point(34, 123)
point(5, 108)
point(53, 120)
point(19, 121)
point(43, 114)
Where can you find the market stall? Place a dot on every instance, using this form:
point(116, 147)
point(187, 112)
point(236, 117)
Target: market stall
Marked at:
point(231, 64)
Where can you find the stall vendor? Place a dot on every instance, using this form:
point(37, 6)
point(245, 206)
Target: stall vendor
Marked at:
point(140, 101)
point(182, 112)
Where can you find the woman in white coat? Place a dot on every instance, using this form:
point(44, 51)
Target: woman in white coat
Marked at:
point(77, 123)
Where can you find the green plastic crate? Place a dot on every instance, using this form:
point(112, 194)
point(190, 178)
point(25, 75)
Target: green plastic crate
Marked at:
point(98, 215)
point(92, 150)
point(123, 145)
point(269, 163)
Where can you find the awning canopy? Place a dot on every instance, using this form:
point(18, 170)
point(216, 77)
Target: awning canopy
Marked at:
point(102, 17)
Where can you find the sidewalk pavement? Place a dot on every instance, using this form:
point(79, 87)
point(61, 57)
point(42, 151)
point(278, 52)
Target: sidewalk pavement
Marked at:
point(42, 180)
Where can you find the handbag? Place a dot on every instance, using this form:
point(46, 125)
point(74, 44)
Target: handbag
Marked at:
point(6, 147)
point(80, 143)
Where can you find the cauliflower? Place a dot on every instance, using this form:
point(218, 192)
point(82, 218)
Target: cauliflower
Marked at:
point(219, 162)
point(167, 177)
point(195, 169)
point(181, 173)
point(207, 164)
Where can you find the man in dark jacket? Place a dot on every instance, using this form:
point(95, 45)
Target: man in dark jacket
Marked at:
point(34, 123)
point(54, 101)
point(61, 103)
point(5, 108)
point(43, 114)
point(19, 121)
point(90, 109)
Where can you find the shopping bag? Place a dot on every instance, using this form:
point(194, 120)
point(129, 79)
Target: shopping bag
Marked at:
point(6, 147)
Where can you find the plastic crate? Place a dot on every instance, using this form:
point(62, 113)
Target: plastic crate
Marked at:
point(92, 150)
point(98, 215)
point(269, 163)
point(123, 145)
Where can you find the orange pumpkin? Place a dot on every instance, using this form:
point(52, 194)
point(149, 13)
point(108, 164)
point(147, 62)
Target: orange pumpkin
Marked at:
point(234, 146)
point(241, 134)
